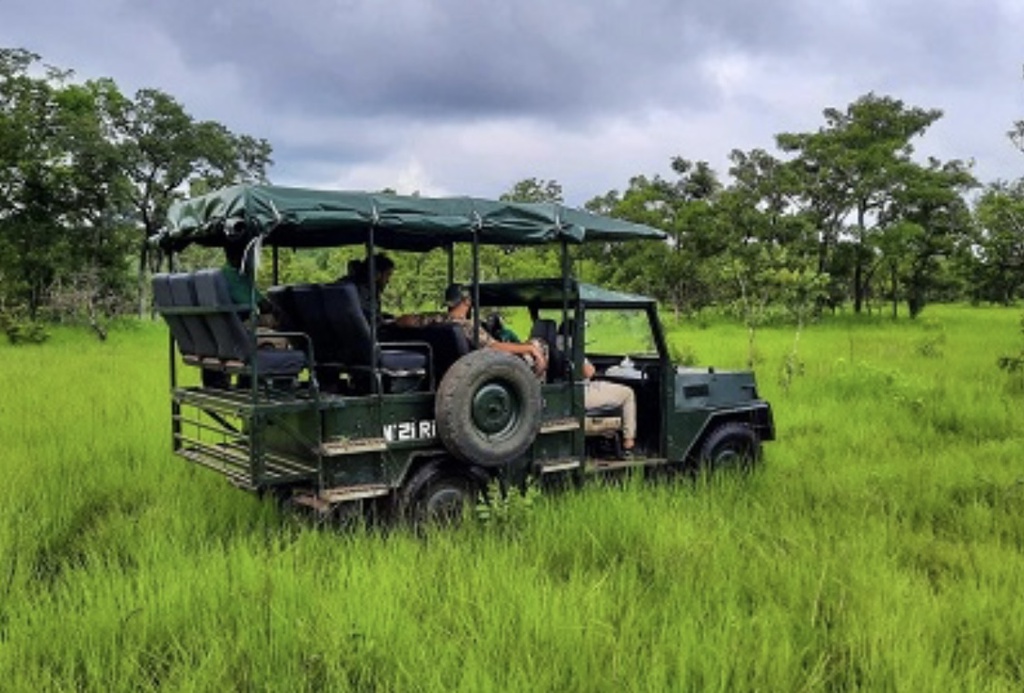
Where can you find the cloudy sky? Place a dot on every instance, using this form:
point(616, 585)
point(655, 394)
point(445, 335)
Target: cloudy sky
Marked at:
point(470, 96)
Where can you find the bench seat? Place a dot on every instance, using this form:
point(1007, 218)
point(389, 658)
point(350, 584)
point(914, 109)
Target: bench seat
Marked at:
point(210, 330)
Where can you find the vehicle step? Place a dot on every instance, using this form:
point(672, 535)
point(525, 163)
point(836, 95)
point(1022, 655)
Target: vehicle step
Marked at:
point(349, 446)
point(559, 425)
point(326, 499)
point(553, 466)
point(601, 465)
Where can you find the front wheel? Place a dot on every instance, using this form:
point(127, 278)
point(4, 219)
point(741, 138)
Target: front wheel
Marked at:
point(731, 445)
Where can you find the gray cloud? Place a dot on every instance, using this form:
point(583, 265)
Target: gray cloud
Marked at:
point(470, 96)
point(448, 59)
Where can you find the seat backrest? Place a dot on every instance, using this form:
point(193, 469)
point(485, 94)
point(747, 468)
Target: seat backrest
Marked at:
point(183, 295)
point(547, 331)
point(447, 342)
point(162, 298)
point(310, 317)
point(346, 319)
point(284, 307)
point(234, 341)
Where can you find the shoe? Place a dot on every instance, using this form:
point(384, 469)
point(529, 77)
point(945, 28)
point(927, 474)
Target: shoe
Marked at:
point(627, 455)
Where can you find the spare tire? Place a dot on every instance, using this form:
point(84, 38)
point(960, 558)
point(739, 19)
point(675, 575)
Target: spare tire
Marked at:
point(488, 408)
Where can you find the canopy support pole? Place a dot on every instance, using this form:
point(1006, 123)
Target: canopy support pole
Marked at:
point(371, 251)
point(476, 288)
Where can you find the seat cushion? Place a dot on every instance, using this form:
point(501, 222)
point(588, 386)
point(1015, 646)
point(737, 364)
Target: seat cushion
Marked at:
point(397, 360)
point(273, 362)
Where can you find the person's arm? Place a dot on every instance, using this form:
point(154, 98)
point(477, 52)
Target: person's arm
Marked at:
point(421, 319)
point(529, 348)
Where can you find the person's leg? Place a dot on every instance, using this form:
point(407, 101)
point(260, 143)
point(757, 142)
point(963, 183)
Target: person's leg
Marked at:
point(601, 393)
point(625, 395)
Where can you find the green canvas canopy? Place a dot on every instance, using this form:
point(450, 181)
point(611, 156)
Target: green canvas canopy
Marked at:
point(305, 218)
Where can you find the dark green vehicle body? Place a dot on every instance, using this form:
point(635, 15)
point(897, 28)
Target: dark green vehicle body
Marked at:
point(327, 449)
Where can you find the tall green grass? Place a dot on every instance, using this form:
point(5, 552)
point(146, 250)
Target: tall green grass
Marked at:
point(880, 546)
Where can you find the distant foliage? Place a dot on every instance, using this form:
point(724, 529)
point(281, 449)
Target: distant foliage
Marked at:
point(85, 298)
point(683, 354)
point(845, 216)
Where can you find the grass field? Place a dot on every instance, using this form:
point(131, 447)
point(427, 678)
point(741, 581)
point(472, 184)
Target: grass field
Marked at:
point(880, 546)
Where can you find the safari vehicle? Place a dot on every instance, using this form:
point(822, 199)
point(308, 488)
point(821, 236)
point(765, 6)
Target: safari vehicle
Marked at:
point(357, 412)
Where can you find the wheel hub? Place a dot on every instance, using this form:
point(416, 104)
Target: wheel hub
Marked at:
point(495, 409)
point(445, 504)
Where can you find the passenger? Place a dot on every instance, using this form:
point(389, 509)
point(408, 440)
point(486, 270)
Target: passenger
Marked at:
point(459, 304)
point(604, 393)
point(359, 274)
point(497, 328)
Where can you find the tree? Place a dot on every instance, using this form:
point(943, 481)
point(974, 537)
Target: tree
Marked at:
point(999, 243)
point(772, 241)
point(534, 190)
point(166, 153)
point(677, 272)
point(1016, 135)
point(62, 208)
point(849, 172)
point(83, 168)
point(931, 216)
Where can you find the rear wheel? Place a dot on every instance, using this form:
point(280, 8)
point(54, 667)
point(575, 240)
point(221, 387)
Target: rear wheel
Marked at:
point(731, 445)
point(439, 496)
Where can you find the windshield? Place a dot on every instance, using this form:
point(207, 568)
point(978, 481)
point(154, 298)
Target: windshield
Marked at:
point(623, 331)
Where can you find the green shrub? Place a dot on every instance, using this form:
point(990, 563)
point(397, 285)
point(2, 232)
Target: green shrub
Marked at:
point(931, 347)
point(1013, 363)
point(507, 508)
point(21, 329)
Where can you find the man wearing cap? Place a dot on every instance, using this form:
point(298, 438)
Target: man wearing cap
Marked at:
point(459, 303)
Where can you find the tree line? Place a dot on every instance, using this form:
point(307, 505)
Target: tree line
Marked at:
point(844, 216)
point(86, 173)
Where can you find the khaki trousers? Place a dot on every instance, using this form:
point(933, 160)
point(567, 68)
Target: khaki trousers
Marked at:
point(601, 393)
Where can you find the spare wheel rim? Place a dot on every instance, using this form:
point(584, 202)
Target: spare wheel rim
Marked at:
point(495, 409)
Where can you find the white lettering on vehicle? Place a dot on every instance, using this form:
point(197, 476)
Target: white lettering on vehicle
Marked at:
point(409, 430)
